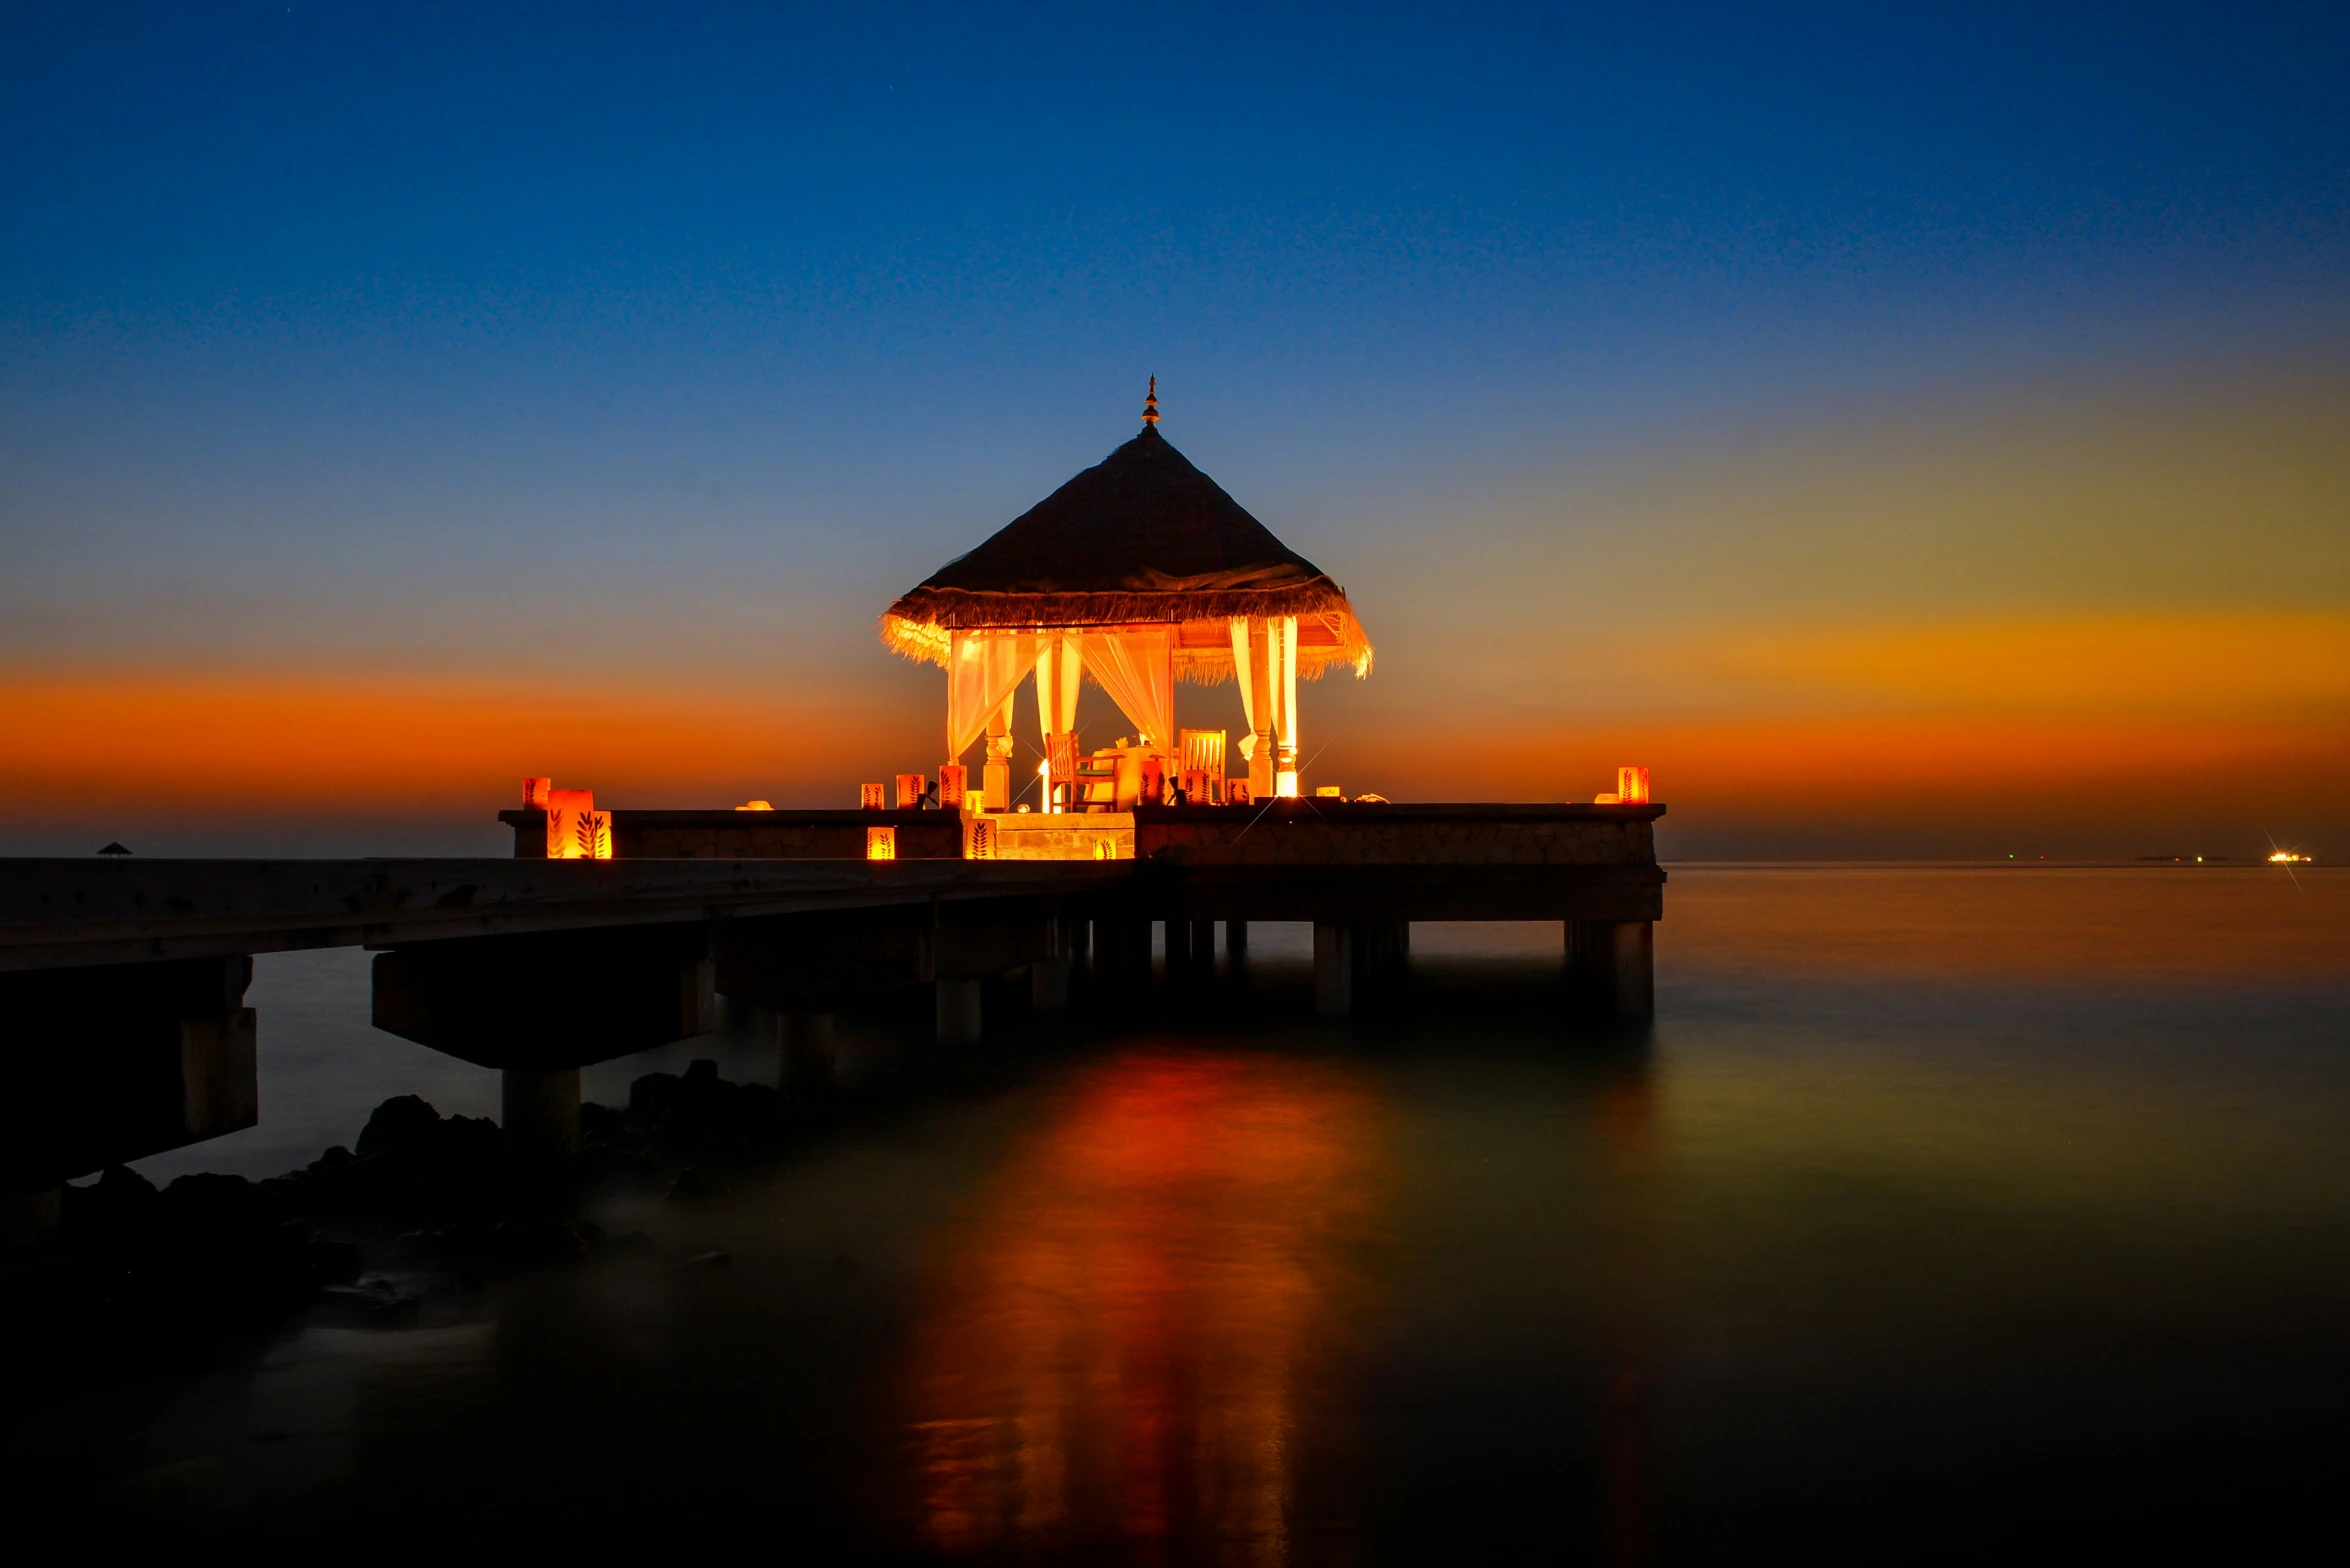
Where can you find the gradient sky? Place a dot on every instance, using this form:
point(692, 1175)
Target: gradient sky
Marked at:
point(1910, 432)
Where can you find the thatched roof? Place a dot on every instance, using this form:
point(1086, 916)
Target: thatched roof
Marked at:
point(1140, 538)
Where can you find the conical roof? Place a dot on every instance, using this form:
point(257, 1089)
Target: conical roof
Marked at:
point(1142, 537)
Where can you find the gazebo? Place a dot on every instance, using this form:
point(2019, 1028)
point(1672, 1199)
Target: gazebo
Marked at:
point(1138, 572)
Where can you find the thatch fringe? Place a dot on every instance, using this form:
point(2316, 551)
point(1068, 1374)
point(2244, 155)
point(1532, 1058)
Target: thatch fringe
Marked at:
point(929, 642)
point(964, 609)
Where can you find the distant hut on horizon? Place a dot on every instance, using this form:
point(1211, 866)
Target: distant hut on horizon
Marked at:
point(1136, 572)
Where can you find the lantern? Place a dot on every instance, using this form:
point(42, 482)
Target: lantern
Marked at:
point(1632, 786)
point(576, 830)
point(979, 842)
point(534, 794)
point(881, 843)
point(869, 796)
point(911, 788)
point(952, 781)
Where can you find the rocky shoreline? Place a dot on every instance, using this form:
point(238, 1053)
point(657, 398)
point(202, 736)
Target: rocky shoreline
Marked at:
point(149, 1279)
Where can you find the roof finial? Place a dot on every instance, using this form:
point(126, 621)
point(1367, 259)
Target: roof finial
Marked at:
point(1150, 404)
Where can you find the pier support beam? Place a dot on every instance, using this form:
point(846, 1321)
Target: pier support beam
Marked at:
point(1203, 948)
point(805, 1052)
point(958, 1011)
point(539, 1108)
point(106, 1064)
point(1334, 978)
point(1382, 959)
point(1611, 967)
point(1122, 954)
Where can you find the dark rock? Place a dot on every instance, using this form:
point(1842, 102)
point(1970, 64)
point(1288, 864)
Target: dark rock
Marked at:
point(601, 1123)
point(334, 1262)
point(702, 1116)
point(399, 1122)
point(117, 1208)
point(375, 1305)
point(219, 1205)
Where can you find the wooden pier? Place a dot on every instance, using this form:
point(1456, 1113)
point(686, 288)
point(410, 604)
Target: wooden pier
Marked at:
point(123, 1030)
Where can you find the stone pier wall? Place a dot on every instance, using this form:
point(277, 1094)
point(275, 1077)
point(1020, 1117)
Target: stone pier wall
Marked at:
point(1333, 833)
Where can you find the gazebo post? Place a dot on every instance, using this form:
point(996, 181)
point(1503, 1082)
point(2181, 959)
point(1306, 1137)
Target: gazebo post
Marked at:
point(998, 778)
point(1263, 684)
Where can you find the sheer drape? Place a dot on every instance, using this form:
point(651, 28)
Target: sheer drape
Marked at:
point(1248, 686)
point(1059, 666)
point(984, 669)
point(1137, 669)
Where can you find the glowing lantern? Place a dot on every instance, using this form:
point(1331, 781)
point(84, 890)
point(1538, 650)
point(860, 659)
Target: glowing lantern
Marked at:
point(869, 796)
point(911, 788)
point(576, 830)
point(979, 843)
point(534, 794)
point(881, 843)
point(953, 779)
point(1632, 786)
point(1238, 793)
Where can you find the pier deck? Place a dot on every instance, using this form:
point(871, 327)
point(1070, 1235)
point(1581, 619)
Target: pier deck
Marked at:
point(123, 1030)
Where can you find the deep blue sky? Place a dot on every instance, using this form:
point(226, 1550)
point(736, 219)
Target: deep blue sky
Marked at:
point(789, 246)
point(366, 335)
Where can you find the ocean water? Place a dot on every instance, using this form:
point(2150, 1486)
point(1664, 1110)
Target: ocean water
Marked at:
point(1942, 1211)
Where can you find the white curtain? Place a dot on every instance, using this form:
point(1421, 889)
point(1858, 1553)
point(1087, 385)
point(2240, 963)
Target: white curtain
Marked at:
point(1137, 669)
point(1248, 686)
point(984, 669)
point(1059, 666)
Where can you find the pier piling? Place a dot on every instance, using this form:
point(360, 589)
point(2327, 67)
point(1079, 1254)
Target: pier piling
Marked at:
point(1334, 970)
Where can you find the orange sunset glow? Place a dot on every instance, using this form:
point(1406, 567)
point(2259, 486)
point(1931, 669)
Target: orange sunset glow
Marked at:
point(2118, 733)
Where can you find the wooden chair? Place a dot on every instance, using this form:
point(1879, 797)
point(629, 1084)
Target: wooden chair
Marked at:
point(1203, 752)
point(1096, 778)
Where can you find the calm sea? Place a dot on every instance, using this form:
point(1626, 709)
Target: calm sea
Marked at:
point(1944, 1211)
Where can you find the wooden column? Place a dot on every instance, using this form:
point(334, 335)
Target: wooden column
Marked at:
point(1611, 968)
point(1334, 985)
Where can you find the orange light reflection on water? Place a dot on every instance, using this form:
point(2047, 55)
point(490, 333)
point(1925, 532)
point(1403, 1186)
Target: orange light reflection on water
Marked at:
point(1123, 1344)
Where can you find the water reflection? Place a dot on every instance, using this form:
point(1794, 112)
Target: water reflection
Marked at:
point(1131, 1339)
